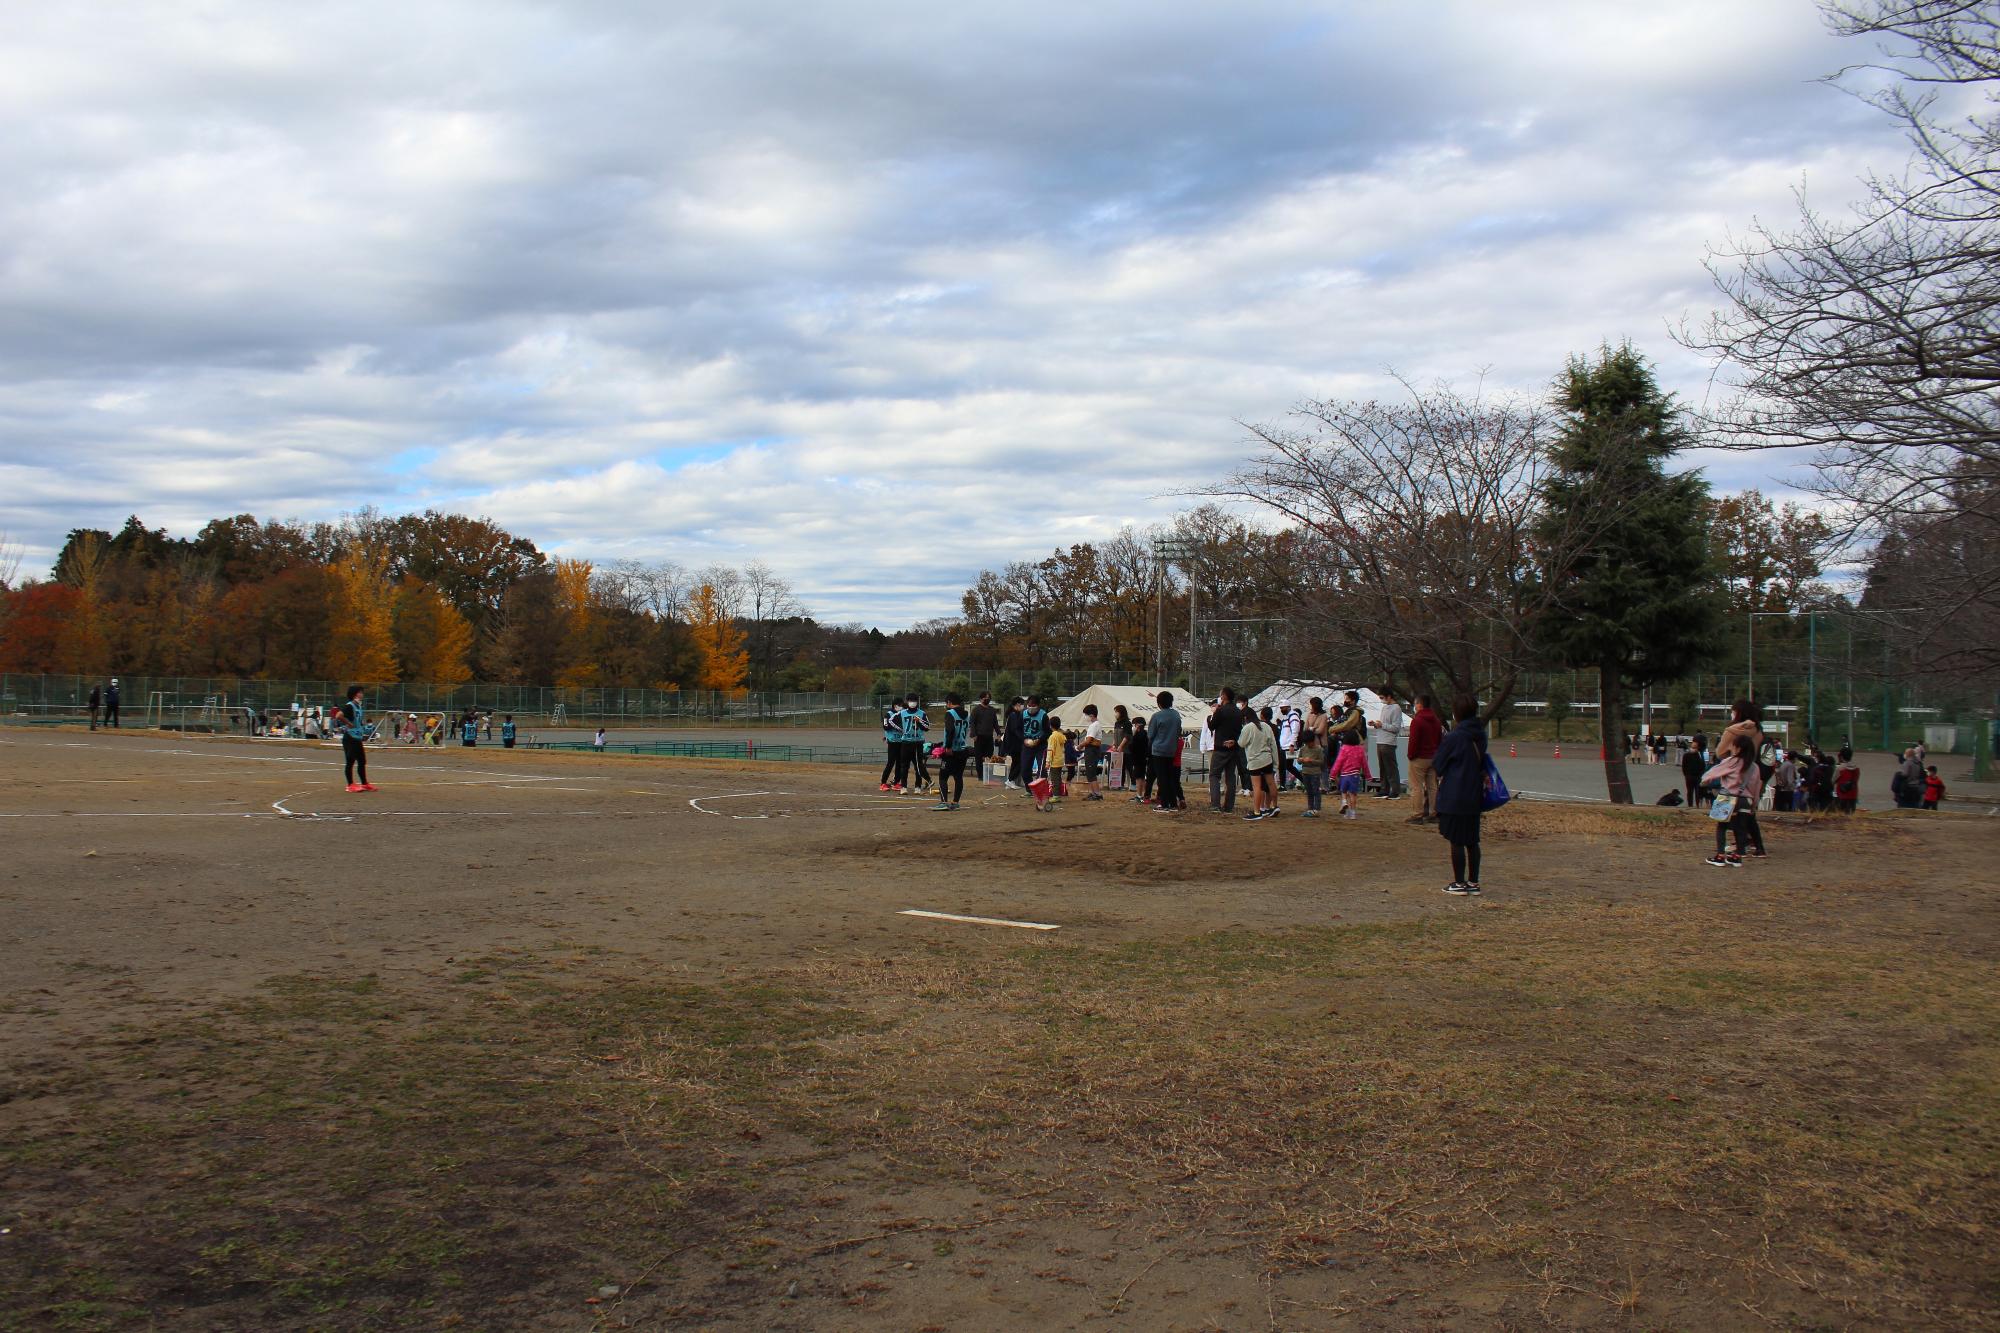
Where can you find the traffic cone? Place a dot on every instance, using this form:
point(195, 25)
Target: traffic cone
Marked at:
point(1559, 752)
point(1511, 754)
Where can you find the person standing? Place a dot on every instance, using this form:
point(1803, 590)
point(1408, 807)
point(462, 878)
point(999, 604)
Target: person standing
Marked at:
point(96, 703)
point(1226, 722)
point(1010, 743)
point(352, 723)
point(1163, 737)
point(1460, 764)
point(889, 743)
point(507, 732)
point(1258, 744)
point(111, 703)
point(1388, 735)
point(1847, 783)
point(1290, 728)
point(1907, 783)
point(1350, 774)
point(1693, 761)
point(1093, 752)
point(1138, 762)
point(468, 732)
point(1347, 728)
point(1426, 734)
point(985, 724)
point(958, 748)
point(1735, 771)
point(1312, 773)
point(1034, 740)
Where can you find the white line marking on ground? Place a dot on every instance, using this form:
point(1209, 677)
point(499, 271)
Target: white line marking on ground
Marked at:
point(978, 920)
point(696, 802)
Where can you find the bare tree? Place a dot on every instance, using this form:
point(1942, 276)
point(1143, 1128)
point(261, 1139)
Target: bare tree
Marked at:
point(1875, 338)
point(1418, 556)
point(10, 561)
point(774, 617)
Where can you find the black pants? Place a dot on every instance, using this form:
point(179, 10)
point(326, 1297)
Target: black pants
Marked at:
point(356, 757)
point(93, 717)
point(888, 760)
point(982, 750)
point(951, 777)
point(1166, 776)
point(1465, 862)
point(904, 754)
point(111, 715)
point(1136, 772)
point(1693, 784)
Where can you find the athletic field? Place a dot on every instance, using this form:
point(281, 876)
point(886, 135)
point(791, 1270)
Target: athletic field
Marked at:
point(565, 1041)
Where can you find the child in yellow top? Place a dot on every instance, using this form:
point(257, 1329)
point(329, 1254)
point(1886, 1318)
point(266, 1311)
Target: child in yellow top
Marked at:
point(1058, 756)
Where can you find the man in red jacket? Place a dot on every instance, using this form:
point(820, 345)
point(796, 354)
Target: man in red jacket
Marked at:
point(1426, 730)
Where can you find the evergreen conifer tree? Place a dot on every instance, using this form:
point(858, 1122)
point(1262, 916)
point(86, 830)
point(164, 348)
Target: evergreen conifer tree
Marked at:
point(1634, 595)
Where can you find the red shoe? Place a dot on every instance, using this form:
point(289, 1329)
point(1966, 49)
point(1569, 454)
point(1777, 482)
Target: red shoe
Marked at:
point(368, 786)
point(354, 786)
point(885, 787)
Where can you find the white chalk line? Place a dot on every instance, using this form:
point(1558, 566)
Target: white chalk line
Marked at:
point(978, 920)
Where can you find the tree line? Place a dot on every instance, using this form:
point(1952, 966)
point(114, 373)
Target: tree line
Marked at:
point(433, 597)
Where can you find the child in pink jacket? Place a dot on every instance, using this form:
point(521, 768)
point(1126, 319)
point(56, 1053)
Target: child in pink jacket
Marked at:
point(1350, 774)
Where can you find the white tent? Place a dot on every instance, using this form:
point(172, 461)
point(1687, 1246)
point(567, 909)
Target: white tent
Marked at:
point(1296, 692)
point(1138, 701)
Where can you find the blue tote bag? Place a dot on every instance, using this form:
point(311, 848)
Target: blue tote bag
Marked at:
point(1494, 793)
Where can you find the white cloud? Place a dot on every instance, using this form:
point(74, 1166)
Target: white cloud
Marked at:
point(878, 294)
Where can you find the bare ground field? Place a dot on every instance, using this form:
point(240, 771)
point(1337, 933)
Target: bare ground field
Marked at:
point(579, 1042)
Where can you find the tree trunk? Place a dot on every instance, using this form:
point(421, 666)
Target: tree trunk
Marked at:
point(1611, 733)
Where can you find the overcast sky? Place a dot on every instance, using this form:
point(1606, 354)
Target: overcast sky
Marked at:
point(881, 295)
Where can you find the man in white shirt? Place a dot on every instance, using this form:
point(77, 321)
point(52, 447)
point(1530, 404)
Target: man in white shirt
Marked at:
point(1387, 732)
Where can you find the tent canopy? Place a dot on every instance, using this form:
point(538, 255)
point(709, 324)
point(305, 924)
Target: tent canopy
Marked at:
point(1296, 692)
point(1138, 701)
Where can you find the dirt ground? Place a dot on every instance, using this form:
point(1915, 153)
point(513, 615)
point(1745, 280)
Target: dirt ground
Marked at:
point(529, 1040)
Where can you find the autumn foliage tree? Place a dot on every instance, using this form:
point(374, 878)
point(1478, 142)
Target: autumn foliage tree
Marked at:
point(723, 660)
point(433, 641)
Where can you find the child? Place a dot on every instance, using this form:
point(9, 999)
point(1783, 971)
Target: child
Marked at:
point(1351, 773)
point(1093, 751)
point(599, 742)
point(507, 732)
point(1933, 788)
point(1058, 758)
point(1350, 770)
point(1312, 772)
point(1741, 782)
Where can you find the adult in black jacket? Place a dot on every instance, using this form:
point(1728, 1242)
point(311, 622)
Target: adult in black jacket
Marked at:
point(1461, 773)
point(985, 731)
point(1010, 742)
point(1226, 725)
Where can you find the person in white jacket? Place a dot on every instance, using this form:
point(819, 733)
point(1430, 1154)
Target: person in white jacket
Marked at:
point(1387, 735)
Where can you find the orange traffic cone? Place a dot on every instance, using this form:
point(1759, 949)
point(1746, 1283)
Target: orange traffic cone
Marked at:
point(1559, 752)
point(1511, 754)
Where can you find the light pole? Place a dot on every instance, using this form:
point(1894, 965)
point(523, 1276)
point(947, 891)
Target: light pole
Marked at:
point(1180, 550)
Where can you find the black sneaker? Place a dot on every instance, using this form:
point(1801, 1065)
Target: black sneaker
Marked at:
point(1459, 889)
point(1472, 890)
point(1719, 861)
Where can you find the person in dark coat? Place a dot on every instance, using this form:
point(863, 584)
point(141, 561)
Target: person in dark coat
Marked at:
point(96, 702)
point(1461, 789)
point(111, 703)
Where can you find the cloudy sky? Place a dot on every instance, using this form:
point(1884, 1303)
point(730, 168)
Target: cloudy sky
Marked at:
point(880, 294)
